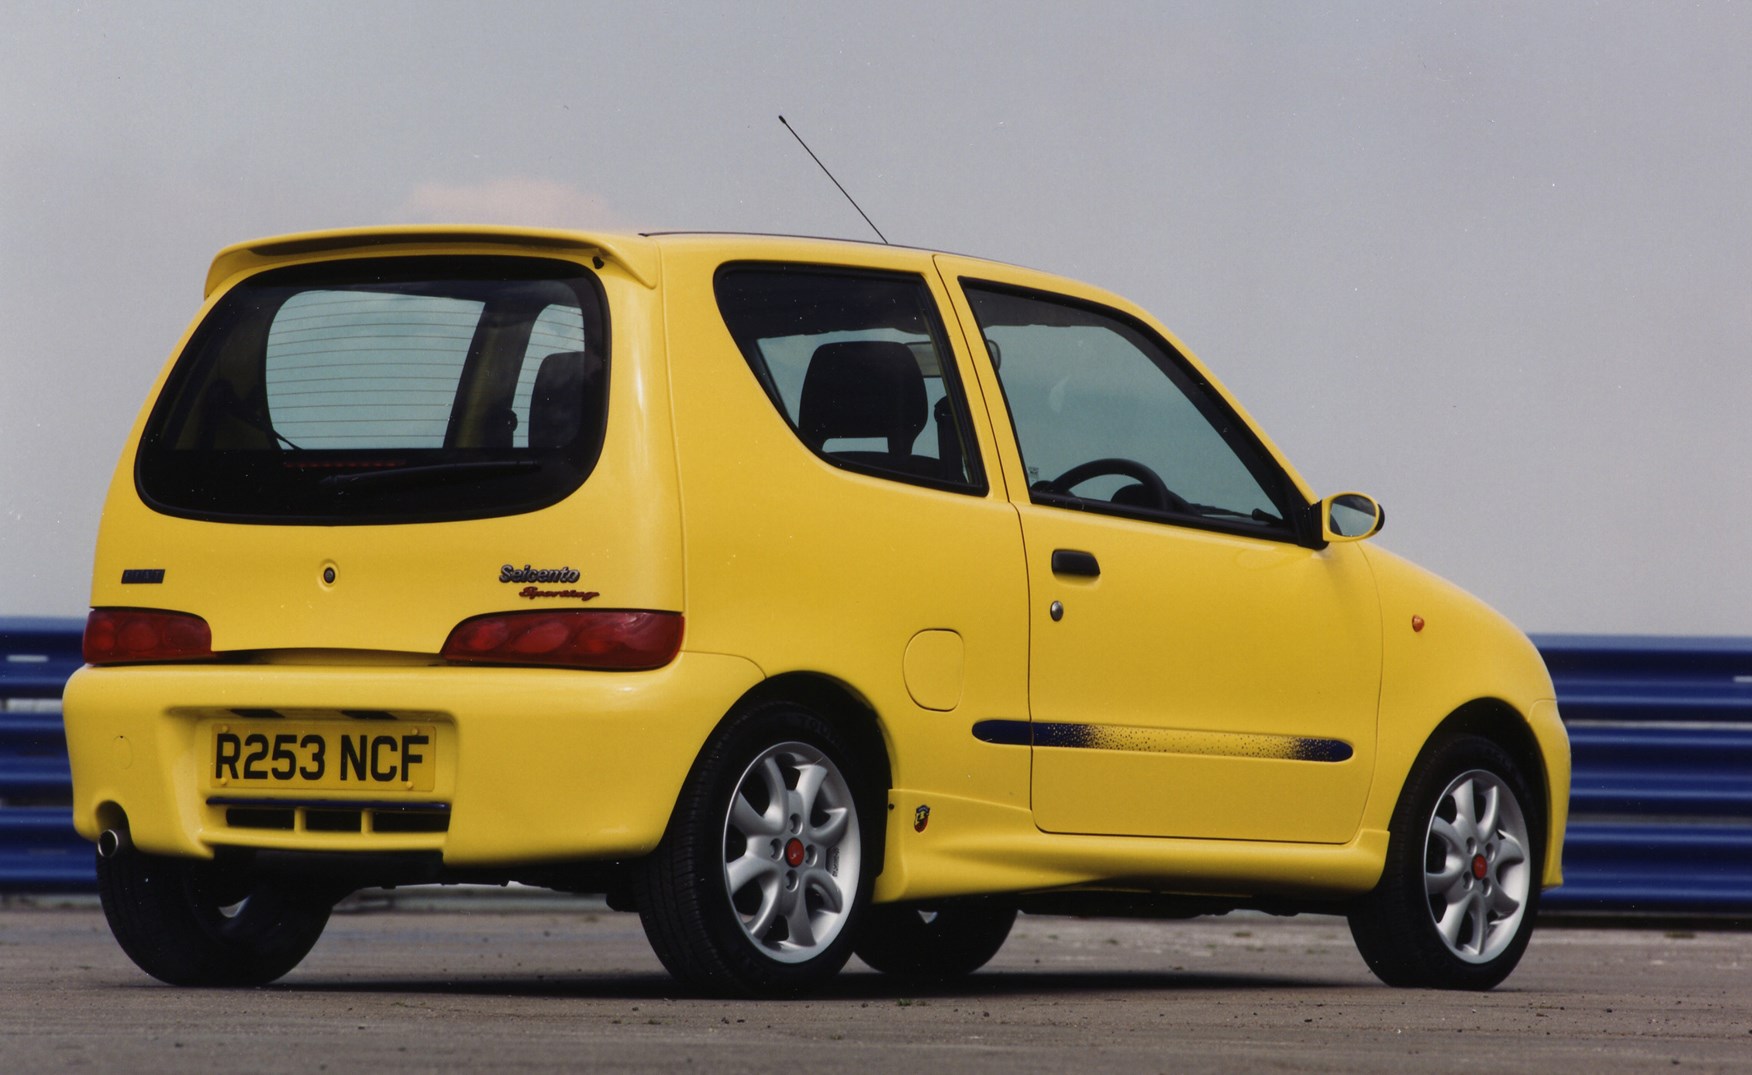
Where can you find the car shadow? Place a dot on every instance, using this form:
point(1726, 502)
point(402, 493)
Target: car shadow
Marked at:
point(851, 986)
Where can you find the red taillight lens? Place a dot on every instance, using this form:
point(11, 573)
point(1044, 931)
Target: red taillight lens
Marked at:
point(121, 635)
point(619, 640)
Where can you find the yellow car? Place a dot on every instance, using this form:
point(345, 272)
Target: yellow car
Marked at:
point(807, 597)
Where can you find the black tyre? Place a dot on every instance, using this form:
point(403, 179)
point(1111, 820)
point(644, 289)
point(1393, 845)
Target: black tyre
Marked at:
point(1457, 899)
point(191, 922)
point(759, 882)
point(933, 944)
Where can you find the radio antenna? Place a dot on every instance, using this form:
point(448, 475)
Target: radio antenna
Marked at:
point(836, 182)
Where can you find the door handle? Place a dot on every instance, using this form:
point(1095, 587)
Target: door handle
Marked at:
point(1075, 563)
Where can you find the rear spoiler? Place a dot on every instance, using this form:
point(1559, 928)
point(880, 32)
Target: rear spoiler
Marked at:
point(636, 254)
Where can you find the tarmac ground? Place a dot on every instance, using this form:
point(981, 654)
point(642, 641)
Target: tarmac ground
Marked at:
point(550, 984)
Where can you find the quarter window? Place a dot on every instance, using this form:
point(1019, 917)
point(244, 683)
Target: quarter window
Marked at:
point(1108, 418)
point(857, 365)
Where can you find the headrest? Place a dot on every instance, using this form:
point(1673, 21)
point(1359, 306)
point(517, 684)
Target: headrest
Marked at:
point(863, 388)
point(565, 384)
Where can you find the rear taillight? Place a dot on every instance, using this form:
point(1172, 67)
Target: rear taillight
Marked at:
point(622, 640)
point(123, 635)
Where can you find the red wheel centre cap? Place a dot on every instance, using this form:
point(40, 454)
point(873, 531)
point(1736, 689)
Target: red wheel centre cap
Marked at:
point(794, 853)
point(1479, 866)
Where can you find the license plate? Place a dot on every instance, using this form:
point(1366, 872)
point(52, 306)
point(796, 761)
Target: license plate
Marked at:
point(323, 755)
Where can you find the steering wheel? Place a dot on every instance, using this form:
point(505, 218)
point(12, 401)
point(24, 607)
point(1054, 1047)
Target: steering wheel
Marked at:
point(1165, 498)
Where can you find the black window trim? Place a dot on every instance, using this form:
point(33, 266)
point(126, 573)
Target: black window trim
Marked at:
point(955, 390)
point(1236, 433)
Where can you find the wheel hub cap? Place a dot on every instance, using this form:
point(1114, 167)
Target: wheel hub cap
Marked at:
point(1477, 870)
point(791, 852)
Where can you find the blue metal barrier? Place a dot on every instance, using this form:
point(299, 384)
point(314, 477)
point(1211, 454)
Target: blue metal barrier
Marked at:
point(1661, 797)
point(1660, 804)
point(39, 851)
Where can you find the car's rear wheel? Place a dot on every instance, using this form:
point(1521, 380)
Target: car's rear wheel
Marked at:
point(934, 943)
point(759, 883)
point(198, 923)
point(1457, 899)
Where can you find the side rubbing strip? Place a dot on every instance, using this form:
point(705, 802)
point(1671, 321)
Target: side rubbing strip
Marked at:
point(1011, 733)
point(1161, 740)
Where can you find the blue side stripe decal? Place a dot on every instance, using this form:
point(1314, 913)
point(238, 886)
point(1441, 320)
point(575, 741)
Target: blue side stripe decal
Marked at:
point(1162, 740)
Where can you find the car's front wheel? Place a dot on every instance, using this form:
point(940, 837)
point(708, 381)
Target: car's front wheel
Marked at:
point(758, 884)
point(1455, 905)
point(199, 923)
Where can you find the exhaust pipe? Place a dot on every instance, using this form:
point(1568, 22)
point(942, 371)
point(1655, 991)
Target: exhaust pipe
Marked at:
point(112, 842)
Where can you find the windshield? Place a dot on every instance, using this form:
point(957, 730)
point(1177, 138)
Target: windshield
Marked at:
point(385, 389)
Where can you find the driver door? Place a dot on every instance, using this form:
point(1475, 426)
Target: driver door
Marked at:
point(1195, 668)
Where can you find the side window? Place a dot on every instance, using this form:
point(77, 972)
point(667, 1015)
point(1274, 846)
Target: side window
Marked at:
point(857, 364)
point(1108, 418)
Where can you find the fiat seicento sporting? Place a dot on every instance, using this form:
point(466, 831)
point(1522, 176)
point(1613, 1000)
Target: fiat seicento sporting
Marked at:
point(807, 598)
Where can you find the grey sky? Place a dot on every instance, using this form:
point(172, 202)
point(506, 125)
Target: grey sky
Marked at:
point(1491, 263)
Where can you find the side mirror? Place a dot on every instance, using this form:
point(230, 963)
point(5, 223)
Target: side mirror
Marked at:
point(1350, 517)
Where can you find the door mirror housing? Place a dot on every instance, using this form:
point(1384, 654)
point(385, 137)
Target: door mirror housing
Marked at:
point(1350, 517)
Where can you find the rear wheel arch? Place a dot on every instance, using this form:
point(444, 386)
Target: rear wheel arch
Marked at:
point(765, 870)
point(842, 706)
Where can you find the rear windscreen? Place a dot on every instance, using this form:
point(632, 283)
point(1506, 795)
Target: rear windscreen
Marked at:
point(384, 390)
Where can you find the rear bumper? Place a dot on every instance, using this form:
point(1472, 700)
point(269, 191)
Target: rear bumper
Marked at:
point(532, 765)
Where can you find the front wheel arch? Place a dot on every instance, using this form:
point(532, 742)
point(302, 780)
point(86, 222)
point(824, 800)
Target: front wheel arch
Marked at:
point(1419, 925)
point(1507, 727)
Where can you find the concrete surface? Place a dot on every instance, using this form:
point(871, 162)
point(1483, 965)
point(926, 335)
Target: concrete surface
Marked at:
point(511, 984)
